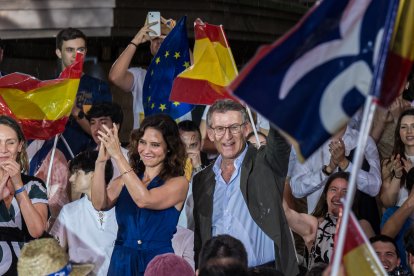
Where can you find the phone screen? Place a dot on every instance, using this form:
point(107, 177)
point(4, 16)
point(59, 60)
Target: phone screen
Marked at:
point(154, 16)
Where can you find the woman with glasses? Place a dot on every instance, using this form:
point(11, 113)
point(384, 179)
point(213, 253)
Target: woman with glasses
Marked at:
point(148, 195)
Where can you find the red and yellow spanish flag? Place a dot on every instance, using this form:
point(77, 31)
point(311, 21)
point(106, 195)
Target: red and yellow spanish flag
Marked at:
point(401, 54)
point(214, 68)
point(359, 258)
point(41, 107)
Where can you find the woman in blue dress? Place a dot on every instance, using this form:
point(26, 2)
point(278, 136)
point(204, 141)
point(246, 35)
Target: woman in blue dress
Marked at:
point(148, 195)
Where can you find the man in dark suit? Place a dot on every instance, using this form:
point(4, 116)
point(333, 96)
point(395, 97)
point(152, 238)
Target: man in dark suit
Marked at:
point(241, 193)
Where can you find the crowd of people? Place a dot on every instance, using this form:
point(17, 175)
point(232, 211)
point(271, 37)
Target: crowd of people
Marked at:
point(186, 198)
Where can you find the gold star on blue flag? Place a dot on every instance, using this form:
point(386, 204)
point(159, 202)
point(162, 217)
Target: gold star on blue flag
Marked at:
point(164, 68)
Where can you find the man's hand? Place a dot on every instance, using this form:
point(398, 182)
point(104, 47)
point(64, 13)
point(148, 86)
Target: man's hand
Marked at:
point(195, 158)
point(337, 150)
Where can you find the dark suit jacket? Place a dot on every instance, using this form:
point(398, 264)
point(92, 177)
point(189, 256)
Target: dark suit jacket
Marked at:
point(262, 181)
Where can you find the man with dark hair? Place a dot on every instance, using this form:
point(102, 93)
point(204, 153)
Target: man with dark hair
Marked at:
point(87, 234)
point(223, 267)
point(386, 249)
point(91, 90)
point(222, 246)
point(241, 193)
point(105, 114)
point(191, 137)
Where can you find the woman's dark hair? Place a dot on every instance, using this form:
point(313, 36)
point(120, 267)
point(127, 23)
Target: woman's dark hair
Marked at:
point(399, 147)
point(22, 158)
point(85, 161)
point(174, 162)
point(322, 206)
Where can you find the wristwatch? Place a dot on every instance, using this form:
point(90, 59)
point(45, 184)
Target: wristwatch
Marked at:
point(325, 171)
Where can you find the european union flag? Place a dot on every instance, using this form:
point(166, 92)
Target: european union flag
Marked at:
point(171, 59)
point(312, 80)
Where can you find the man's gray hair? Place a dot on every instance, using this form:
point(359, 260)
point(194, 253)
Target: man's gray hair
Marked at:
point(222, 106)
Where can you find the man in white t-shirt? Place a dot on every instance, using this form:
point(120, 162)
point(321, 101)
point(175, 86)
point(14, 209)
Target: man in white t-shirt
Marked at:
point(132, 79)
point(87, 234)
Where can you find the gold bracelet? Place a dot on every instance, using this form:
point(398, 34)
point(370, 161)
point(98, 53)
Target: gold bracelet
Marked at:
point(128, 171)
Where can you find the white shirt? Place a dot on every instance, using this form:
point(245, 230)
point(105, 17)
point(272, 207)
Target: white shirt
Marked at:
point(232, 216)
point(136, 89)
point(186, 219)
point(137, 94)
point(309, 180)
point(89, 234)
point(183, 245)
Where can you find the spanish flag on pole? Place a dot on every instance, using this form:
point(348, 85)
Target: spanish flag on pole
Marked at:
point(214, 68)
point(41, 107)
point(359, 258)
point(401, 54)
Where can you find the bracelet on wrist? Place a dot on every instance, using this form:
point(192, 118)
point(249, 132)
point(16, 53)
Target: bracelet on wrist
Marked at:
point(132, 43)
point(18, 191)
point(127, 171)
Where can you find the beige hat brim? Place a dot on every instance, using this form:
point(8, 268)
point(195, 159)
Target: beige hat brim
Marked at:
point(81, 269)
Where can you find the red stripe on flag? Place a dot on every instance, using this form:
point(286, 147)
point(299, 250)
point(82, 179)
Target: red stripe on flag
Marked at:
point(395, 74)
point(25, 82)
point(49, 128)
point(212, 32)
point(188, 90)
point(353, 237)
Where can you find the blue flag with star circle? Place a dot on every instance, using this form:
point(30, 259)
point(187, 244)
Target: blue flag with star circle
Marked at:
point(171, 59)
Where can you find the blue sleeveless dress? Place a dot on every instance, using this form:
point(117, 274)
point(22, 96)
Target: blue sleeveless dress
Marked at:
point(142, 234)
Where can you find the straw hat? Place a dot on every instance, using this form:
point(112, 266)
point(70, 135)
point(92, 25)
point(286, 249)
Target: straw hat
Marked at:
point(45, 256)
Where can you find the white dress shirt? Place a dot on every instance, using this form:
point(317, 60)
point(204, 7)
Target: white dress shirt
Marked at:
point(309, 180)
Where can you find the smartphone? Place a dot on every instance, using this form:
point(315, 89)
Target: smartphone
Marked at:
point(154, 16)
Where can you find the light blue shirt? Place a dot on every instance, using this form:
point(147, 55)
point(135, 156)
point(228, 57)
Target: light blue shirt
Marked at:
point(231, 216)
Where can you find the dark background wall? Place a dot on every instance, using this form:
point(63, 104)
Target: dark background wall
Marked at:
point(28, 30)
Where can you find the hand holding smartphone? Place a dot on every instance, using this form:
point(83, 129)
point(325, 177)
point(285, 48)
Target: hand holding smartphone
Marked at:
point(154, 17)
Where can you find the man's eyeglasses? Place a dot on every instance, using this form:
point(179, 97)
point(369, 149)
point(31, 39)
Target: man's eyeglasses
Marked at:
point(221, 130)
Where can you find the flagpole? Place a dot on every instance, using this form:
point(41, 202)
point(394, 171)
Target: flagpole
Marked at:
point(52, 157)
point(369, 109)
point(365, 128)
point(67, 146)
point(237, 72)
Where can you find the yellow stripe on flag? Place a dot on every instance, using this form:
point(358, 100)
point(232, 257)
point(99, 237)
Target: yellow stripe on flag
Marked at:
point(359, 261)
point(43, 103)
point(212, 62)
point(402, 42)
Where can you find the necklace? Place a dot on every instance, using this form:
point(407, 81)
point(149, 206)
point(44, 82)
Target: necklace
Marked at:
point(100, 217)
